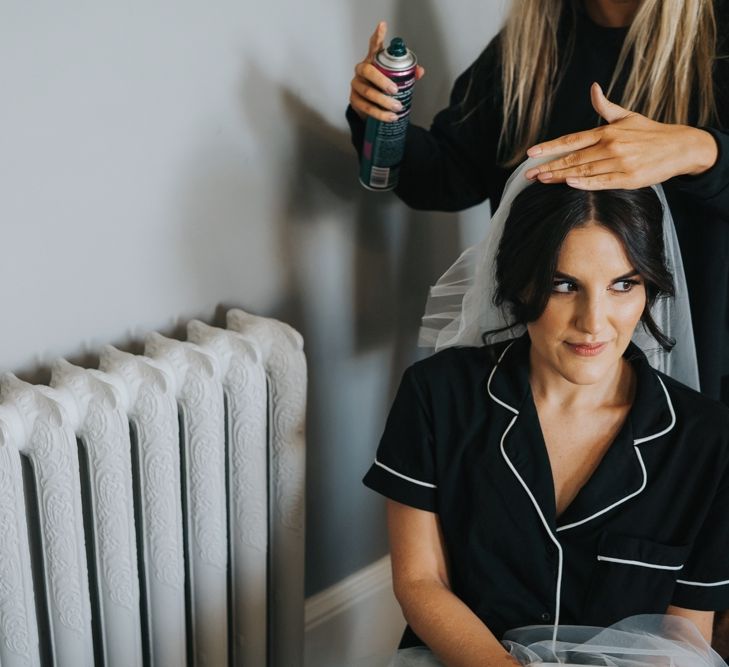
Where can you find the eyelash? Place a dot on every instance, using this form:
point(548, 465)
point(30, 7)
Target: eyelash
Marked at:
point(629, 282)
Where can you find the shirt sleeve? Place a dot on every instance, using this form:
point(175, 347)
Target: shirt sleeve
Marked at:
point(703, 583)
point(712, 187)
point(404, 467)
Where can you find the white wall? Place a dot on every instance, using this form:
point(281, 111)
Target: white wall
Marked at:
point(159, 160)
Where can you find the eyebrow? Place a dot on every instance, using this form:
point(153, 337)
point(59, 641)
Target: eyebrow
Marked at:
point(625, 276)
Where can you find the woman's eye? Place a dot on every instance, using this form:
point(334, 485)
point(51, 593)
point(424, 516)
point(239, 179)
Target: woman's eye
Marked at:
point(564, 286)
point(624, 285)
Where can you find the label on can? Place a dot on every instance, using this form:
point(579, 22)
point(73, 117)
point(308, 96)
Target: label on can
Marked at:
point(384, 143)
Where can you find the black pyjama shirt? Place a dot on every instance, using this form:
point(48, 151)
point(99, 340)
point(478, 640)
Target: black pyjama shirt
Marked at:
point(650, 528)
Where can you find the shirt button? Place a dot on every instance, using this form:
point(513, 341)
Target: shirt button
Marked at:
point(546, 617)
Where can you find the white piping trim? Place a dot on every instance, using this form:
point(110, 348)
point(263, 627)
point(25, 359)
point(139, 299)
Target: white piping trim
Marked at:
point(546, 527)
point(702, 583)
point(529, 493)
point(491, 375)
point(669, 427)
point(636, 442)
point(409, 479)
point(610, 559)
point(616, 503)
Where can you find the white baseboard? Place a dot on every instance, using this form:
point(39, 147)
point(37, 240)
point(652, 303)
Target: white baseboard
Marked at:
point(356, 622)
point(348, 592)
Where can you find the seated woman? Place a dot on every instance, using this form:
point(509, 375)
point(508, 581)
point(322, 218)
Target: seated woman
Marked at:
point(557, 478)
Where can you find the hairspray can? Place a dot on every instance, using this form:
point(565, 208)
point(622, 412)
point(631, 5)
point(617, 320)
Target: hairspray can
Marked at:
point(384, 143)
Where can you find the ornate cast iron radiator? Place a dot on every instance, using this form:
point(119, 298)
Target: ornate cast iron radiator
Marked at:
point(152, 511)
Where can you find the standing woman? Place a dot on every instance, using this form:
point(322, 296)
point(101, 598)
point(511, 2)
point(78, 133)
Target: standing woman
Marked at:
point(537, 89)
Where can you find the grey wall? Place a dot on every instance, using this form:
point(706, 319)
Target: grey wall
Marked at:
point(161, 161)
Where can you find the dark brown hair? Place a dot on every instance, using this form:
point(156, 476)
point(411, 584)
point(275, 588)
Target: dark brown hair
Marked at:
point(539, 220)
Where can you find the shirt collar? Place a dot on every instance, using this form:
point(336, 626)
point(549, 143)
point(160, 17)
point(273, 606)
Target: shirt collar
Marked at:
point(652, 412)
point(620, 476)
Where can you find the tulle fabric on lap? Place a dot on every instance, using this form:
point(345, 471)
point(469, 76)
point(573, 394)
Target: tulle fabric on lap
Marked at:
point(650, 640)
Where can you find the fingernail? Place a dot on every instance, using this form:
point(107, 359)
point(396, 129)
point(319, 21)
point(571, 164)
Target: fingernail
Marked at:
point(534, 150)
point(392, 117)
point(531, 173)
point(393, 89)
point(546, 176)
point(396, 105)
point(573, 181)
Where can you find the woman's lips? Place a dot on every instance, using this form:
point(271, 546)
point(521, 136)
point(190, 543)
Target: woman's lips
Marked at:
point(587, 349)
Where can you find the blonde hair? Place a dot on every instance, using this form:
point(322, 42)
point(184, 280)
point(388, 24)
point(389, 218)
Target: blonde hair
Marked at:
point(671, 45)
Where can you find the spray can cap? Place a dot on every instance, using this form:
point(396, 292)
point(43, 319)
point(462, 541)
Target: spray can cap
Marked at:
point(397, 47)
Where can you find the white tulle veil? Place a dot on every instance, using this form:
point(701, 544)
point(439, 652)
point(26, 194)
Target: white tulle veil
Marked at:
point(460, 306)
point(647, 640)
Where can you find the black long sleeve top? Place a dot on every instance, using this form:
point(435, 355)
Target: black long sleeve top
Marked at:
point(453, 165)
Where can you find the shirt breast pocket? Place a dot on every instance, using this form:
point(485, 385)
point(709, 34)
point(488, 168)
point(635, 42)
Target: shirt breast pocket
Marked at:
point(631, 576)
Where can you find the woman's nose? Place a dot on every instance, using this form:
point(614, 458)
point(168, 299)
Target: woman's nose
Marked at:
point(591, 316)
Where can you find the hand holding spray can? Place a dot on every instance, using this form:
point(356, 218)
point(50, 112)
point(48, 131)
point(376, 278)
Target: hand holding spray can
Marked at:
point(384, 143)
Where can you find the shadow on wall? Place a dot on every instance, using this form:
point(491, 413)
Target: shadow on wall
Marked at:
point(431, 241)
point(397, 254)
point(393, 256)
point(326, 167)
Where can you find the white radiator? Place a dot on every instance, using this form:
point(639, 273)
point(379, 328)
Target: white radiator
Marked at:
point(152, 511)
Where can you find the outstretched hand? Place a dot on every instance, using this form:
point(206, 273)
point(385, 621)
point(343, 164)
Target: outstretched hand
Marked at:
point(631, 151)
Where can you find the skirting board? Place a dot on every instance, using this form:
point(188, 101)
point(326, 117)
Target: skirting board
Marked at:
point(355, 623)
